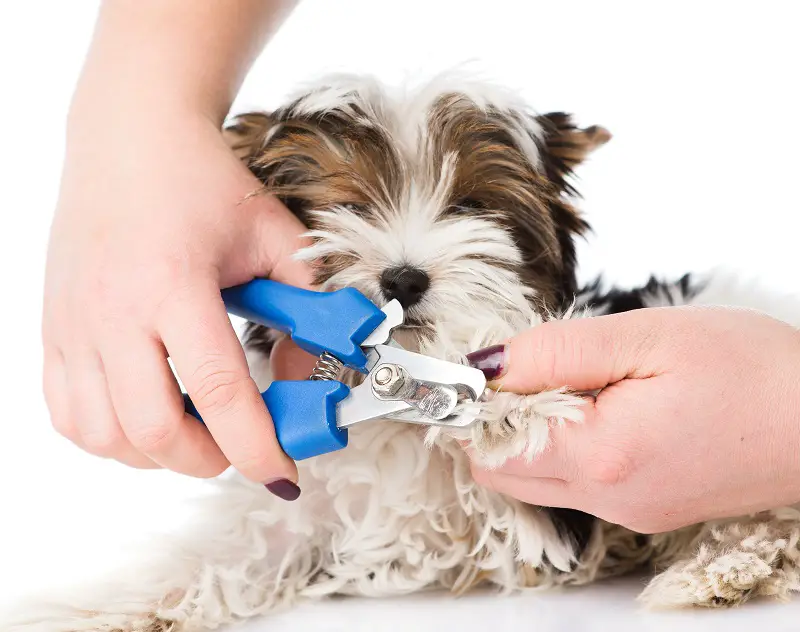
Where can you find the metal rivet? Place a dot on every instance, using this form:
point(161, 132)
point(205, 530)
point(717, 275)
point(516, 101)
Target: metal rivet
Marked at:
point(383, 376)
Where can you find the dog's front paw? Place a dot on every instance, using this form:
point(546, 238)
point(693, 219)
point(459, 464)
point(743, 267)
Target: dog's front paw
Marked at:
point(511, 426)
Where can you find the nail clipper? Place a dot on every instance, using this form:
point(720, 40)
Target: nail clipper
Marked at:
point(344, 328)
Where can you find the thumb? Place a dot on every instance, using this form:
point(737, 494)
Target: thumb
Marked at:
point(581, 354)
point(273, 237)
point(280, 235)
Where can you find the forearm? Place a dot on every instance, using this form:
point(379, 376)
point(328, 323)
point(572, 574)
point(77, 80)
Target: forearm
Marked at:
point(158, 56)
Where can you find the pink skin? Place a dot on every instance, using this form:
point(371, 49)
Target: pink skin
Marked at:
point(154, 217)
point(697, 418)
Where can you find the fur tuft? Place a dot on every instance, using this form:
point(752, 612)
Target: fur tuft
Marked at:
point(459, 181)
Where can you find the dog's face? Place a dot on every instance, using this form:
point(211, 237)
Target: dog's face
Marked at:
point(451, 200)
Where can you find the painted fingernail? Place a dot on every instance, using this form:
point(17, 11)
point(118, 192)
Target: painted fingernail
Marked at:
point(284, 488)
point(491, 360)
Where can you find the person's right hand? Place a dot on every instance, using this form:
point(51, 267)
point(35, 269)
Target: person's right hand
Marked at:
point(696, 418)
point(153, 219)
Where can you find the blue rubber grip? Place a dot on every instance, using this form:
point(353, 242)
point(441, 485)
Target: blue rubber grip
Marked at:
point(304, 414)
point(336, 322)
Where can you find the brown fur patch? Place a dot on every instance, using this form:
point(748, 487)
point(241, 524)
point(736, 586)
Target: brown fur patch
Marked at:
point(494, 177)
point(346, 156)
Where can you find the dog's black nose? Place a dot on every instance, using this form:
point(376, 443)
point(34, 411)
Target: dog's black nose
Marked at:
point(405, 284)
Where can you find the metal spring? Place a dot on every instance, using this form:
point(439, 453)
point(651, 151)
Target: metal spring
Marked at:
point(327, 368)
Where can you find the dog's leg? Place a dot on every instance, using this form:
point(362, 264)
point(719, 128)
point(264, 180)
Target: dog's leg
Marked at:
point(733, 562)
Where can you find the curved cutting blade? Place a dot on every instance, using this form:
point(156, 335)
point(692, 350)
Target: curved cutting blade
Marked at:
point(362, 403)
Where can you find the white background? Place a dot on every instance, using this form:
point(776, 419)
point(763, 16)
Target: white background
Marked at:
point(701, 98)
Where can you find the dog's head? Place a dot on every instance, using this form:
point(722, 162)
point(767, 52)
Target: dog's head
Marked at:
point(451, 199)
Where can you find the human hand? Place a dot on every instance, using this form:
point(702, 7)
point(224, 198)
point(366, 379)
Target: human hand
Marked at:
point(696, 420)
point(153, 219)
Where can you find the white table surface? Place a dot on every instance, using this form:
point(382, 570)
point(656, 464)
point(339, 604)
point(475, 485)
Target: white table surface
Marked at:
point(91, 537)
point(600, 607)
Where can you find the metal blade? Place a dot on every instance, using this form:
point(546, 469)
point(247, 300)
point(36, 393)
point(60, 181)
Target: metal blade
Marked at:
point(362, 403)
point(383, 332)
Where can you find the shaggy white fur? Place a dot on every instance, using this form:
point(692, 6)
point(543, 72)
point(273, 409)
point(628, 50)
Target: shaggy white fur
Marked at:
point(386, 516)
point(397, 511)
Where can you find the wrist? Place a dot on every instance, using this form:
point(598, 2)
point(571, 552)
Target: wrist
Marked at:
point(117, 89)
point(106, 106)
point(149, 57)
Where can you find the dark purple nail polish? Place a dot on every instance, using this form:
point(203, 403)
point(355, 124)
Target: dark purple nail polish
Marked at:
point(284, 488)
point(491, 360)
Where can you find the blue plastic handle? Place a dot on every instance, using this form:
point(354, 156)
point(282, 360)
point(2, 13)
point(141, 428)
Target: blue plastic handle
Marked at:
point(304, 415)
point(304, 412)
point(336, 322)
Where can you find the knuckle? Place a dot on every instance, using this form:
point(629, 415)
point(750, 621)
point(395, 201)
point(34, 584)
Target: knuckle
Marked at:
point(255, 466)
point(171, 270)
point(210, 471)
point(547, 365)
point(554, 352)
point(115, 304)
point(607, 466)
point(152, 436)
point(543, 353)
point(101, 288)
point(217, 387)
point(63, 425)
point(184, 287)
point(104, 442)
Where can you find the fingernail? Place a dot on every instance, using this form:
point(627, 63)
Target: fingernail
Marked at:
point(284, 488)
point(491, 360)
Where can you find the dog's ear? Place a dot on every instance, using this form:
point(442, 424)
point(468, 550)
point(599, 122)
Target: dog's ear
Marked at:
point(281, 152)
point(563, 147)
point(306, 160)
point(566, 145)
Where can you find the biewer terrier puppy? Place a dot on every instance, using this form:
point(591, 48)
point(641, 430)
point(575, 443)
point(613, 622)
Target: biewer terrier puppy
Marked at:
point(455, 199)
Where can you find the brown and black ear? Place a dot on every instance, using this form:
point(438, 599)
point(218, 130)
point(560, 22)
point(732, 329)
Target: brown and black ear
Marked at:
point(563, 147)
point(566, 145)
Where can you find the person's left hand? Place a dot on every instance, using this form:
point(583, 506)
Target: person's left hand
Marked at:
point(696, 420)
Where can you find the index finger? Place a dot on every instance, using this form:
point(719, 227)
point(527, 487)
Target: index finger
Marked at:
point(583, 354)
point(211, 363)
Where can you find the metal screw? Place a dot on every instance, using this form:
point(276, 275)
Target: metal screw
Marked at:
point(433, 400)
point(383, 376)
point(388, 380)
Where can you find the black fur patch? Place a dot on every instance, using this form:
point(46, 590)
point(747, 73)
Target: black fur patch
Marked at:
point(573, 526)
point(654, 292)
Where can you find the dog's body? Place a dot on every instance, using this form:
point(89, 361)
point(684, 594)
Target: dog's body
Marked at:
point(455, 200)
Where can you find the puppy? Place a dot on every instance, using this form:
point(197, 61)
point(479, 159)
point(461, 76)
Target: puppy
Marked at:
point(455, 199)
